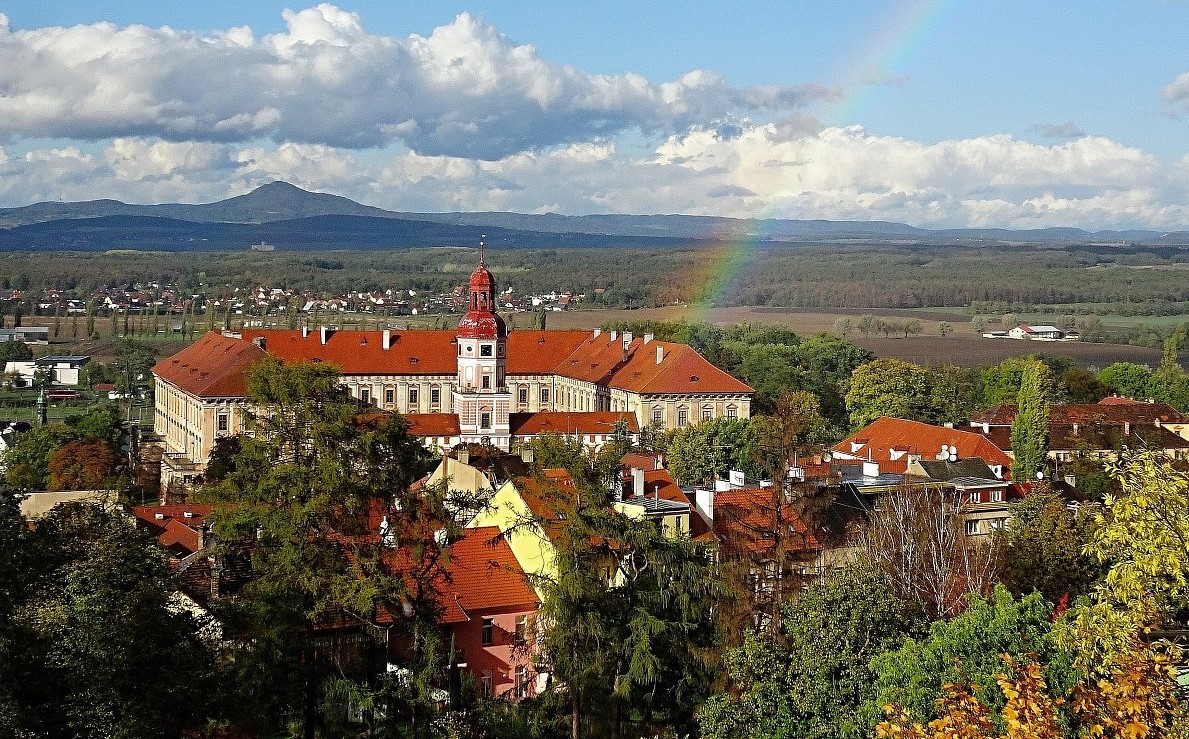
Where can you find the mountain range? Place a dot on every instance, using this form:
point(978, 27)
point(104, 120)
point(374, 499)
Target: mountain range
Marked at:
point(297, 219)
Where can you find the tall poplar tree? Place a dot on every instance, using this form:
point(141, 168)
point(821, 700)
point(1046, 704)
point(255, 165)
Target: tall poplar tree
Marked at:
point(1030, 427)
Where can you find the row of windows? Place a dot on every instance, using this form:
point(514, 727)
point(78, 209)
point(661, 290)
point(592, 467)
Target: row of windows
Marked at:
point(488, 630)
point(973, 528)
point(658, 414)
point(487, 682)
point(995, 496)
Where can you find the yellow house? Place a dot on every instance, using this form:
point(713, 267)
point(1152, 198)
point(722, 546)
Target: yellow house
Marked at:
point(521, 510)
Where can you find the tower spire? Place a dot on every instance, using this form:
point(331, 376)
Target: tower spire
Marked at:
point(482, 251)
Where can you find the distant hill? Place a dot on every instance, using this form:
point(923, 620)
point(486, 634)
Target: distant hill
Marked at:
point(294, 218)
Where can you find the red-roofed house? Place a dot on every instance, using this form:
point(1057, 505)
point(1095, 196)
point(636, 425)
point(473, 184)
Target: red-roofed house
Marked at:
point(488, 605)
point(179, 528)
point(891, 443)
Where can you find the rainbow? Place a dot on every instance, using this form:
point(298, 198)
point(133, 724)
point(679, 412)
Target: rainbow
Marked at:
point(901, 34)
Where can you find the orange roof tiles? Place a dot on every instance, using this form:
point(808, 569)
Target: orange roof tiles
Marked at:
point(881, 437)
point(579, 355)
point(215, 366)
point(483, 575)
point(433, 424)
point(577, 422)
point(745, 521)
point(1108, 411)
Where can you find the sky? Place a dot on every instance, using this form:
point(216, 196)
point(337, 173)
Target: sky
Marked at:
point(937, 113)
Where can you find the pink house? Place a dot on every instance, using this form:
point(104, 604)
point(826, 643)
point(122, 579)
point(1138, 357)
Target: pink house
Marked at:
point(489, 608)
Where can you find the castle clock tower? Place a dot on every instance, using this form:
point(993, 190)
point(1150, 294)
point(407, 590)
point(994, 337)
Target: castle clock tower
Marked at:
point(481, 396)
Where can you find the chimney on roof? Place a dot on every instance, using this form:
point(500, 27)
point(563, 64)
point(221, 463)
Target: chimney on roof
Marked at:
point(259, 342)
point(637, 482)
point(648, 338)
point(1127, 428)
point(986, 428)
point(614, 334)
point(597, 332)
point(627, 338)
point(527, 455)
point(387, 339)
point(464, 456)
point(323, 332)
point(1075, 429)
point(660, 354)
point(305, 330)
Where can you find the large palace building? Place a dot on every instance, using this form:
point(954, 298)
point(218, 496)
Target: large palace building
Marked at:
point(478, 383)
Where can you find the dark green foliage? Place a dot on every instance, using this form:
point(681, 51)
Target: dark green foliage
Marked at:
point(14, 351)
point(1127, 379)
point(300, 489)
point(1042, 550)
point(99, 651)
point(1081, 386)
point(814, 682)
point(968, 648)
point(639, 651)
point(27, 461)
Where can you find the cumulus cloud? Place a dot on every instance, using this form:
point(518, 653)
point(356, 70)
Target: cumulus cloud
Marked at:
point(1176, 94)
point(464, 90)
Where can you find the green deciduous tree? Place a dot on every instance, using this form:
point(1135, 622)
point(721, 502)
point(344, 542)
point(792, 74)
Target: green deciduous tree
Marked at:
point(102, 649)
point(1043, 549)
point(712, 448)
point(887, 387)
point(1127, 379)
point(969, 648)
point(814, 680)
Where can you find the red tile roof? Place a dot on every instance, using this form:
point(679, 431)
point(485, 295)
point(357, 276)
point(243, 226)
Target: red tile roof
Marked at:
point(174, 530)
point(559, 422)
point(576, 354)
point(600, 359)
point(433, 424)
point(884, 436)
point(745, 522)
point(483, 575)
point(215, 366)
point(641, 460)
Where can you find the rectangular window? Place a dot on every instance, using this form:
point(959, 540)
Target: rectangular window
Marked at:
point(997, 496)
point(435, 396)
point(682, 417)
point(521, 629)
point(521, 681)
point(544, 395)
point(486, 382)
point(972, 528)
point(974, 496)
point(484, 420)
point(707, 414)
point(522, 395)
point(488, 631)
point(731, 412)
point(389, 395)
point(365, 394)
point(222, 423)
point(414, 396)
point(485, 350)
point(996, 524)
point(657, 415)
point(487, 683)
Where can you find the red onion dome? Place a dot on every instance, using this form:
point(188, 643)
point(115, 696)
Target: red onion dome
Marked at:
point(481, 325)
point(482, 280)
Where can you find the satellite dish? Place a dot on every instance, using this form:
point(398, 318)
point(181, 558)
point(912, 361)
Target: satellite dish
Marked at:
point(953, 456)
